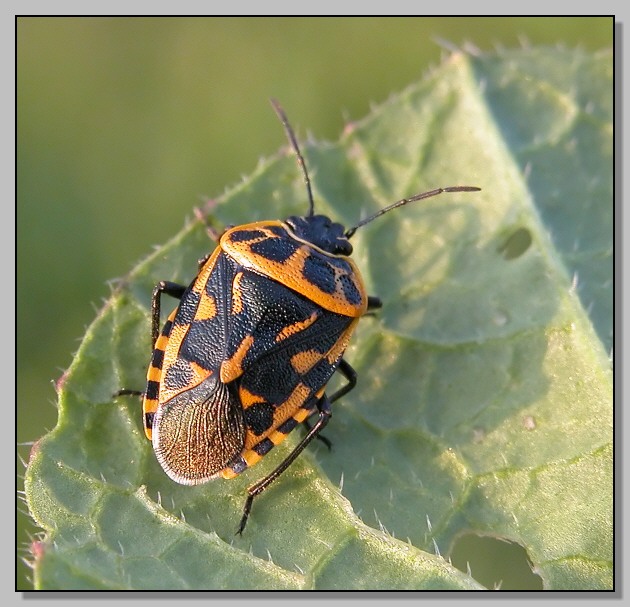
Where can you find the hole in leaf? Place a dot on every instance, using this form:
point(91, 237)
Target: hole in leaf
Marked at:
point(495, 563)
point(516, 244)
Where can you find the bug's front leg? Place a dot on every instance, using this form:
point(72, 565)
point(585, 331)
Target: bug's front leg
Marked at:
point(172, 289)
point(169, 288)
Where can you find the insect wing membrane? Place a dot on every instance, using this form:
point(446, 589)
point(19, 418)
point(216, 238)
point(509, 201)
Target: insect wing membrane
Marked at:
point(196, 434)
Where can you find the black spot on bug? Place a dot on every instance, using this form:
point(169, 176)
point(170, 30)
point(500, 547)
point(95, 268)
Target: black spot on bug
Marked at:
point(246, 235)
point(287, 426)
point(157, 360)
point(187, 308)
point(238, 464)
point(277, 231)
point(318, 272)
point(178, 375)
point(152, 391)
point(199, 345)
point(148, 420)
point(318, 375)
point(263, 447)
point(259, 417)
point(275, 249)
point(516, 244)
point(166, 330)
point(350, 290)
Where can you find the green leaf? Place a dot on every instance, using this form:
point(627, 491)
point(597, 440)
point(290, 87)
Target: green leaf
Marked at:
point(484, 401)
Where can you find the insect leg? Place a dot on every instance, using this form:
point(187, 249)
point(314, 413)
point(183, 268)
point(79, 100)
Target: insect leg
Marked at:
point(323, 406)
point(127, 392)
point(319, 437)
point(350, 374)
point(170, 288)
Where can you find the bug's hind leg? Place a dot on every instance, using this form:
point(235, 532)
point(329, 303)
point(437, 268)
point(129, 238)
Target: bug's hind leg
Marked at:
point(319, 437)
point(325, 412)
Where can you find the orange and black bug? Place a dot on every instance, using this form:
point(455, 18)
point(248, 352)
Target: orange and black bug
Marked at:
point(247, 354)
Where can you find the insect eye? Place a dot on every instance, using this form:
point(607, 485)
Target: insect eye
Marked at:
point(343, 247)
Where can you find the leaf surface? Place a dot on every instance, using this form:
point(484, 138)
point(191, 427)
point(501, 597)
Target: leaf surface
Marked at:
point(484, 401)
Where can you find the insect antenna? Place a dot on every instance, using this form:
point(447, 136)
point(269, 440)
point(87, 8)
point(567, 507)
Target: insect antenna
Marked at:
point(458, 188)
point(289, 131)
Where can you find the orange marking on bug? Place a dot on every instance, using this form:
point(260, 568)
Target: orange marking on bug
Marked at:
point(150, 405)
point(298, 397)
point(237, 299)
point(301, 415)
point(283, 412)
point(154, 374)
point(162, 340)
point(203, 276)
point(336, 352)
point(304, 361)
point(207, 307)
point(276, 437)
point(248, 398)
point(232, 368)
point(297, 327)
point(250, 457)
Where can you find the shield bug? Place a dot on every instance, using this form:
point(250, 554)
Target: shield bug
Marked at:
point(247, 354)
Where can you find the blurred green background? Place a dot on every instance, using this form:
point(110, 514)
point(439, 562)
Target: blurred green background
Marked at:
point(125, 124)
